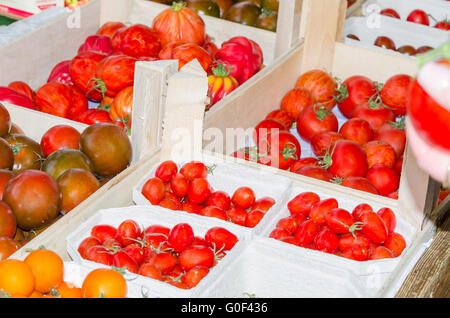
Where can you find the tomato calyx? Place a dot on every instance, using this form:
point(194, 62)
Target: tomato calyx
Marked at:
point(217, 257)
point(322, 112)
point(337, 180)
point(54, 292)
point(123, 271)
point(341, 92)
point(398, 124)
point(210, 169)
point(41, 247)
point(327, 159)
point(249, 295)
point(178, 6)
point(17, 148)
point(357, 226)
point(4, 294)
point(288, 152)
point(221, 70)
point(105, 107)
point(98, 85)
point(266, 12)
point(174, 279)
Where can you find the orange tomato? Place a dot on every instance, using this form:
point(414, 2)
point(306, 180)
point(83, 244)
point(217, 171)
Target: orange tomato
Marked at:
point(122, 106)
point(16, 278)
point(47, 267)
point(104, 283)
point(36, 294)
point(68, 290)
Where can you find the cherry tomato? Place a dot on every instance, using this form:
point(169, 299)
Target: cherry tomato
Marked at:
point(396, 243)
point(164, 262)
point(390, 13)
point(99, 254)
point(306, 232)
point(180, 237)
point(60, 137)
point(194, 169)
point(135, 251)
point(243, 197)
point(121, 259)
point(194, 276)
point(381, 252)
point(374, 227)
point(326, 241)
point(196, 256)
point(153, 190)
point(385, 42)
point(263, 204)
point(253, 218)
point(86, 244)
point(360, 209)
point(166, 170)
point(302, 203)
point(320, 210)
point(340, 221)
point(215, 212)
point(389, 218)
point(279, 233)
point(418, 16)
point(219, 238)
point(219, 199)
point(128, 232)
point(354, 91)
point(288, 223)
point(349, 241)
point(150, 271)
point(103, 232)
point(237, 215)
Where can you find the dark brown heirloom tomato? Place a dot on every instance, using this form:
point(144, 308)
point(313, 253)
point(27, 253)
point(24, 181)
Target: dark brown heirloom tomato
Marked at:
point(34, 197)
point(108, 147)
point(407, 49)
point(8, 222)
point(271, 5)
point(267, 20)
point(5, 121)
point(243, 12)
point(206, 7)
point(384, 42)
point(353, 37)
point(76, 185)
point(5, 176)
point(15, 129)
point(62, 160)
point(27, 153)
point(6, 155)
point(224, 5)
point(7, 247)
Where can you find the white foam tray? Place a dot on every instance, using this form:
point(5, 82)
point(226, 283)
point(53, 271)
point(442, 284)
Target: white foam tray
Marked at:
point(75, 273)
point(401, 33)
point(154, 215)
point(228, 177)
point(439, 9)
point(359, 269)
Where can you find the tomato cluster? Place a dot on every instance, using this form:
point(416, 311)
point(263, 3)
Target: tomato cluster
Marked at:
point(320, 224)
point(189, 190)
point(102, 72)
point(64, 168)
point(365, 152)
point(41, 275)
point(173, 255)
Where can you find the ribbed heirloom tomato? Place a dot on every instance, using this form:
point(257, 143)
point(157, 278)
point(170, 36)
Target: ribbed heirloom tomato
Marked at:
point(321, 85)
point(138, 41)
point(296, 100)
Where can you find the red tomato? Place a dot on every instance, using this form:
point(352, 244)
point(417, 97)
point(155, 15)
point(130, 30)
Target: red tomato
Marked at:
point(290, 240)
point(187, 52)
point(112, 243)
point(153, 190)
point(166, 170)
point(321, 85)
point(379, 153)
point(350, 241)
point(316, 119)
point(389, 218)
point(394, 93)
point(320, 210)
point(279, 149)
point(385, 42)
point(194, 276)
point(306, 232)
point(215, 212)
point(357, 130)
point(109, 28)
point(385, 179)
point(394, 135)
point(135, 251)
point(360, 209)
point(398, 165)
point(156, 236)
point(170, 204)
point(318, 173)
point(340, 221)
point(374, 227)
point(210, 46)
point(265, 127)
point(347, 159)
point(288, 223)
point(279, 233)
point(381, 252)
point(138, 41)
point(354, 91)
point(282, 117)
point(196, 256)
point(10, 96)
point(263, 204)
point(324, 141)
point(103, 232)
point(60, 137)
point(22, 88)
point(304, 162)
point(219, 199)
point(418, 16)
point(99, 254)
point(93, 116)
point(376, 115)
point(121, 259)
point(359, 183)
point(443, 25)
point(194, 169)
point(243, 197)
point(219, 238)
point(179, 185)
point(198, 241)
point(82, 72)
point(199, 190)
point(326, 241)
point(122, 106)
point(192, 208)
point(253, 218)
point(150, 271)
point(390, 13)
point(302, 203)
point(237, 215)
point(128, 232)
point(60, 73)
point(116, 72)
point(296, 100)
point(180, 237)
point(396, 243)
point(86, 244)
point(164, 262)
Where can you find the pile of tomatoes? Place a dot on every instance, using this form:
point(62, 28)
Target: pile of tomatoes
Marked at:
point(189, 190)
point(364, 153)
point(41, 181)
point(97, 84)
point(41, 275)
point(320, 224)
point(418, 16)
point(173, 255)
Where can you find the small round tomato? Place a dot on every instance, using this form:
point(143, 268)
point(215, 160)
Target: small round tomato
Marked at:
point(385, 179)
point(194, 276)
point(166, 170)
point(191, 207)
point(99, 254)
point(315, 119)
point(237, 215)
point(194, 169)
point(103, 232)
point(418, 16)
point(214, 212)
point(359, 183)
point(352, 240)
point(306, 232)
point(385, 42)
point(219, 199)
point(302, 203)
point(121, 259)
point(381, 252)
point(165, 262)
point(135, 251)
point(357, 130)
point(396, 243)
point(253, 218)
point(326, 241)
point(390, 13)
point(263, 204)
point(320, 210)
point(288, 223)
point(128, 232)
point(199, 190)
point(219, 238)
point(180, 237)
point(171, 204)
point(243, 197)
point(279, 233)
point(86, 244)
point(154, 190)
point(150, 271)
point(179, 185)
point(60, 137)
point(389, 218)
